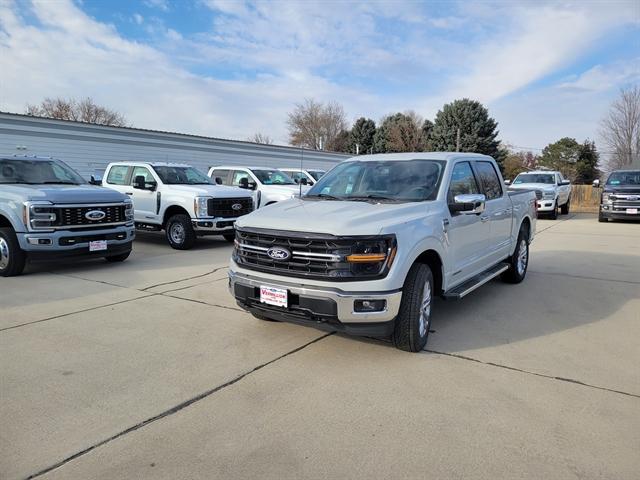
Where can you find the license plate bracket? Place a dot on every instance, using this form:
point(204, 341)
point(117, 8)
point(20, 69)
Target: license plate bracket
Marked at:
point(632, 210)
point(278, 297)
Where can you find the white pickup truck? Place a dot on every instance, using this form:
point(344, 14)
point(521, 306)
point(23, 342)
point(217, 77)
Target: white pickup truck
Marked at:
point(372, 242)
point(306, 176)
point(267, 185)
point(554, 190)
point(178, 199)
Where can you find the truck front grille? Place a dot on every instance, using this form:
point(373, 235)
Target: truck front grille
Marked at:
point(311, 255)
point(229, 207)
point(76, 216)
point(623, 201)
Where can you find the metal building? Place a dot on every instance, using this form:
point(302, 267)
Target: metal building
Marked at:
point(89, 148)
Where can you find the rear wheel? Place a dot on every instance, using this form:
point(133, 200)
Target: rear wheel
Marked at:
point(179, 232)
point(412, 326)
point(519, 261)
point(229, 237)
point(12, 258)
point(565, 208)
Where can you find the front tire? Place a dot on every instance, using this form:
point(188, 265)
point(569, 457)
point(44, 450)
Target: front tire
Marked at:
point(412, 325)
point(12, 258)
point(519, 261)
point(554, 213)
point(229, 237)
point(601, 217)
point(118, 258)
point(565, 208)
point(180, 234)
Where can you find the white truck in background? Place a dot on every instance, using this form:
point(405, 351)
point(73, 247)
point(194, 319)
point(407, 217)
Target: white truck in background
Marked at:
point(555, 190)
point(306, 176)
point(178, 199)
point(369, 246)
point(267, 185)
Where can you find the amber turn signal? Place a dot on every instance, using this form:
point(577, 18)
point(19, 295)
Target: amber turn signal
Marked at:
point(366, 257)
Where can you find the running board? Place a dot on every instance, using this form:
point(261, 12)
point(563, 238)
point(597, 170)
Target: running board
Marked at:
point(470, 285)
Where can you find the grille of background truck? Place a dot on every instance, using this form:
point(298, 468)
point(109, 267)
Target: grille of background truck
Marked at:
point(222, 207)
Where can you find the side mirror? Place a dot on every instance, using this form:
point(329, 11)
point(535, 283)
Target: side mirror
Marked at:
point(218, 181)
point(252, 185)
point(244, 183)
point(596, 183)
point(565, 182)
point(468, 204)
point(507, 182)
point(140, 183)
point(304, 181)
point(95, 180)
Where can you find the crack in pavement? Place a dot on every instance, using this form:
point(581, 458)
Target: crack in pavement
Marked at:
point(583, 277)
point(183, 279)
point(557, 222)
point(528, 372)
point(175, 409)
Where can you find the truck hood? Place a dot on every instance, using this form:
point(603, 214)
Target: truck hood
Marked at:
point(332, 217)
point(625, 189)
point(533, 186)
point(285, 190)
point(217, 191)
point(64, 193)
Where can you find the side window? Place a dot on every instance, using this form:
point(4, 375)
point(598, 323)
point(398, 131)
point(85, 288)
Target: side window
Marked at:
point(490, 180)
point(117, 175)
point(296, 176)
point(237, 176)
point(61, 173)
point(148, 177)
point(558, 178)
point(223, 175)
point(462, 181)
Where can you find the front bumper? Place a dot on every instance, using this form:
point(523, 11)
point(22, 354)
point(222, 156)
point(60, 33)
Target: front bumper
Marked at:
point(213, 225)
point(325, 307)
point(73, 241)
point(546, 205)
point(621, 213)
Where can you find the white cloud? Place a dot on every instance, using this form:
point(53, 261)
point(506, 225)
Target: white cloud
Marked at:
point(159, 4)
point(139, 19)
point(605, 77)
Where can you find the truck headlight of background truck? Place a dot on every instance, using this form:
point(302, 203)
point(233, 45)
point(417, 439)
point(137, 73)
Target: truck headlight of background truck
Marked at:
point(200, 206)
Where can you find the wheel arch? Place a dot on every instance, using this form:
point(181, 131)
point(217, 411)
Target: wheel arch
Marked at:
point(171, 211)
point(433, 260)
point(5, 222)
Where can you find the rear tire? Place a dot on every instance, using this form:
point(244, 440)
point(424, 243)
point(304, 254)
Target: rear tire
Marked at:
point(118, 258)
point(12, 257)
point(565, 208)
point(179, 231)
point(554, 213)
point(413, 322)
point(229, 237)
point(519, 261)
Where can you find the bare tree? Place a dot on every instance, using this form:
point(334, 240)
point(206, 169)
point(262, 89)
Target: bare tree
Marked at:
point(620, 129)
point(260, 138)
point(316, 125)
point(85, 110)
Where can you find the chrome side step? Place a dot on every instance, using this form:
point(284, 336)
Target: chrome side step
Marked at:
point(470, 285)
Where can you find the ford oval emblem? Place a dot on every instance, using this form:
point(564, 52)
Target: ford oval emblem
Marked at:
point(95, 215)
point(633, 198)
point(279, 253)
point(236, 206)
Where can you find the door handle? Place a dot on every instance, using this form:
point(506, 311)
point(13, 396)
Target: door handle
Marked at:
point(129, 193)
point(484, 219)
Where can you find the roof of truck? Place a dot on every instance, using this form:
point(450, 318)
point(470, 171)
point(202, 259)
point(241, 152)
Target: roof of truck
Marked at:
point(418, 156)
point(153, 164)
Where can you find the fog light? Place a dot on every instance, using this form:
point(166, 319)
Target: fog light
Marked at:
point(364, 306)
point(39, 241)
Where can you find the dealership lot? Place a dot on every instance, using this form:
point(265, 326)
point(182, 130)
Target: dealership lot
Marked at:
point(148, 369)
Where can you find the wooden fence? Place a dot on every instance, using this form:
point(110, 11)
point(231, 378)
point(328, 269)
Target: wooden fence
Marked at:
point(585, 198)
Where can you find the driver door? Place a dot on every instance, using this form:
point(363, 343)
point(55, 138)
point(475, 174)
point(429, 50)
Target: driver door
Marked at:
point(144, 201)
point(238, 175)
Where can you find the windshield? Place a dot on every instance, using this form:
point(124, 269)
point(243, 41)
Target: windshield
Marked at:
point(273, 177)
point(182, 176)
point(402, 181)
point(535, 178)
point(624, 178)
point(316, 174)
point(38, 172)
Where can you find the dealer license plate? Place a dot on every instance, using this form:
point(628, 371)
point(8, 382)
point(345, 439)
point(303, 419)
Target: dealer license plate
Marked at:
point(97, 245)
point(273, 296)
point(632, 210)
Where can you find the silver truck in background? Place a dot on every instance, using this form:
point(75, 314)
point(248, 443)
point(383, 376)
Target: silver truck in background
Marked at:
point(369, 246)
point(48, 211)
point(178, 199)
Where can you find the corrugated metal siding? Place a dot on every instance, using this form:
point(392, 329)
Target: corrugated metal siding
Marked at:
point(89, 148)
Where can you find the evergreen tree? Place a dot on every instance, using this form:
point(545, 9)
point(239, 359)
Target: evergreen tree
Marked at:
point(362, 133)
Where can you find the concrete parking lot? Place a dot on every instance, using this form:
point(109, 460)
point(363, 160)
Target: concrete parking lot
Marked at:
point(148, 369)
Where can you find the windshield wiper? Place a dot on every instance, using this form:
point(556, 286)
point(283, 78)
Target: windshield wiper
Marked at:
point(19, 183)
point(60, 182)
point(326, 196)
point(370, 197)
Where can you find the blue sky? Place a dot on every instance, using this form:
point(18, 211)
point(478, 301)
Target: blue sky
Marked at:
point(233, 68)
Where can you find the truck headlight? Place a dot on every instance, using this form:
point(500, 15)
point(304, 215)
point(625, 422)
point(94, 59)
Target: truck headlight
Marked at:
point(548, 195)
point(606, 198)
point(200, 206)
point(40, 215)
point(372, 257)
point(128, 210)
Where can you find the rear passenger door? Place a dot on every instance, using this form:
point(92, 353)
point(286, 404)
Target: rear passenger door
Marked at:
point(222, 175)
point(117, 178)
point(498, 212)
